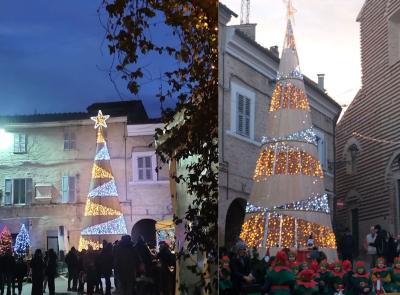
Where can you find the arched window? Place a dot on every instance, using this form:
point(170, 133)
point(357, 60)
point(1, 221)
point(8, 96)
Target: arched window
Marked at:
point(352, 155)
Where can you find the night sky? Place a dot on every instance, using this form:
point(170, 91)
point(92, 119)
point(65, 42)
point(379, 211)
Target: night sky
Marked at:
point(54, 58)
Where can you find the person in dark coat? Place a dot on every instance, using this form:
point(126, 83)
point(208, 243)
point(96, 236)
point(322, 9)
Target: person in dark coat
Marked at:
point(125, 262)
point(241, 268)
point(2, 270)
point(89, 266)
point(347, 246)
point(71, 259)
point(21, 270)
point(51, 270)
point(167, 261)
point(106, 264)
point(37, 267)
point(9, 267)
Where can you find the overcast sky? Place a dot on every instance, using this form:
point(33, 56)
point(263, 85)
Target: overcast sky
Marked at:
point(53, 59)
point(327, 38)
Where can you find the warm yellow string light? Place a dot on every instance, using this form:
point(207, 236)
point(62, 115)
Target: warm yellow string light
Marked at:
point(287, 95)
point(100, 136)
point(93, 209)
point(98, 172)
point(84, 244)
point(253, 232)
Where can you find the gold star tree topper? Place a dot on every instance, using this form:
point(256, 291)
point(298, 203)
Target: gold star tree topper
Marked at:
point(100, 120)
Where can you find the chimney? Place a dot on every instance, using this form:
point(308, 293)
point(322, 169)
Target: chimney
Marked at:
point(274, 50)
point(248, 29)
point(321, 81)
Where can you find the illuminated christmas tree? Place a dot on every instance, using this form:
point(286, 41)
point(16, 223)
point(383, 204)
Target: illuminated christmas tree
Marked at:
point(5, 240)
point(288, 203)
point(103, 218)
point(22, 242)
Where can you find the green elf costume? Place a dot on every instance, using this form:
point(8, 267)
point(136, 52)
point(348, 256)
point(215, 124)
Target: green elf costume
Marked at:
point(225, 283)
point(381, 276)
point(324, 279)
point(396, 275)
point(361, 281)
point(348, 272)
point(280, 277)
point(305, 284)
point(338, 277)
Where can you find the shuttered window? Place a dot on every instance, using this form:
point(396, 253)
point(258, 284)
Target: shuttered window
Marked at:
point(243, 115)
point(18, 191)
point(68, 189)
point(145, 168)
point(19, 143)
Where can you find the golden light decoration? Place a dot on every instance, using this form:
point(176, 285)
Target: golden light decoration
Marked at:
point(98, 172)
point(288, 96)
point(274, 160)
point(84, 244)
point(100, 136)
point(253, 232)
point(93, 209)
point(100, 120)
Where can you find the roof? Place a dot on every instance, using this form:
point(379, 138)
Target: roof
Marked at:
point(132, 109)
point(222, 6)
point(271, 55)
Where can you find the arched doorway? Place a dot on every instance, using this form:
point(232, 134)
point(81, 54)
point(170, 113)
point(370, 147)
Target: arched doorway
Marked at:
point(147, 229)
point(234, 220)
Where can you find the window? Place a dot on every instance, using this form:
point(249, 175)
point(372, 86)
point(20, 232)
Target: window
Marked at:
point(18, 191)
point(352, 158)
point(68, 189)
point(242, 111)
point(19, 143)
point(69, 140)
point(243, 116)
point(144, 166)
point(321, 146)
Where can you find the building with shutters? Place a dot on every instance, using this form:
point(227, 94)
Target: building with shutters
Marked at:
point(368, 144)
point(45, 171)
point(247, 78)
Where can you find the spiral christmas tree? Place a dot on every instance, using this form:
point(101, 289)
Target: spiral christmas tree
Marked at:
point(287, 203)
point(103, 218)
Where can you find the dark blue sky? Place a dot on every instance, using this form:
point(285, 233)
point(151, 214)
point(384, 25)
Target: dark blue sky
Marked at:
point(54, 58)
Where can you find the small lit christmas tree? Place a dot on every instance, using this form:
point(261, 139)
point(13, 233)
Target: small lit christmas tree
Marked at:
point(22, 242)
point(103, 219)
point(287, 206)
point(5, 240)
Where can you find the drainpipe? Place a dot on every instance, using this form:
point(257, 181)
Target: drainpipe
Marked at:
point(126, 174)
point(334, 172)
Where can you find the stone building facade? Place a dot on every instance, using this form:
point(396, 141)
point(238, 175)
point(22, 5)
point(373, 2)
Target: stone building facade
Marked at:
point(45, 172)
point(368, 146)
point(247, 78)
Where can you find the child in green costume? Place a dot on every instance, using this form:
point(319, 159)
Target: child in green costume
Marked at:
point(396, 275)
point(381, 276)
point(338, 277)
point(361, 281)
point(280, 279)
point(224, 279)
point(324, 279)
point(305, 284)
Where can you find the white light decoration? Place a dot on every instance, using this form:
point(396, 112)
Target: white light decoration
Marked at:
point(295, 74)
point(103, 154)
point(315, 203)
point(108, 189)
point(306, 135)
point(116, 227)
point(22, 241)
point(100, 120)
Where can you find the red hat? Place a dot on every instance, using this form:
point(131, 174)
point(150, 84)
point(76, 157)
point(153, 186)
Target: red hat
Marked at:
point(225, 258)
point(281, 259)
point(360, 264)
point(314, 265)
point(306, 278)
point(346, 265)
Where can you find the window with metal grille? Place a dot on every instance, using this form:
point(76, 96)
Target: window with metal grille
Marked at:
point(68, 189)
point(69, 140)
point(19, 143)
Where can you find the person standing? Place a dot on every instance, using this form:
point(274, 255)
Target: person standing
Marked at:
point(106, 260)
point(347, 246)
point(21, 269)
point(371, 250)
point(37, 267)
point(71, 259)
point(51, 270)
point(9, 267)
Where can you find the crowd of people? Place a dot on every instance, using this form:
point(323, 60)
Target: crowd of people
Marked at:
point(134, 267)
point(243, 271)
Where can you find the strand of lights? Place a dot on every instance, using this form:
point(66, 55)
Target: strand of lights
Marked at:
point(295, 74)
point(286, 95)
point(93, 209)
point(306, 135)
point(22, 241)
point(100, 136)
point(316, 203)
point(103, 154)
point(289, 38)
point(99, 172)
point(281, 159)
point(253, 230)
point(375, 139)
point(85, 243)
point(113, 227)
point(108, 189)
